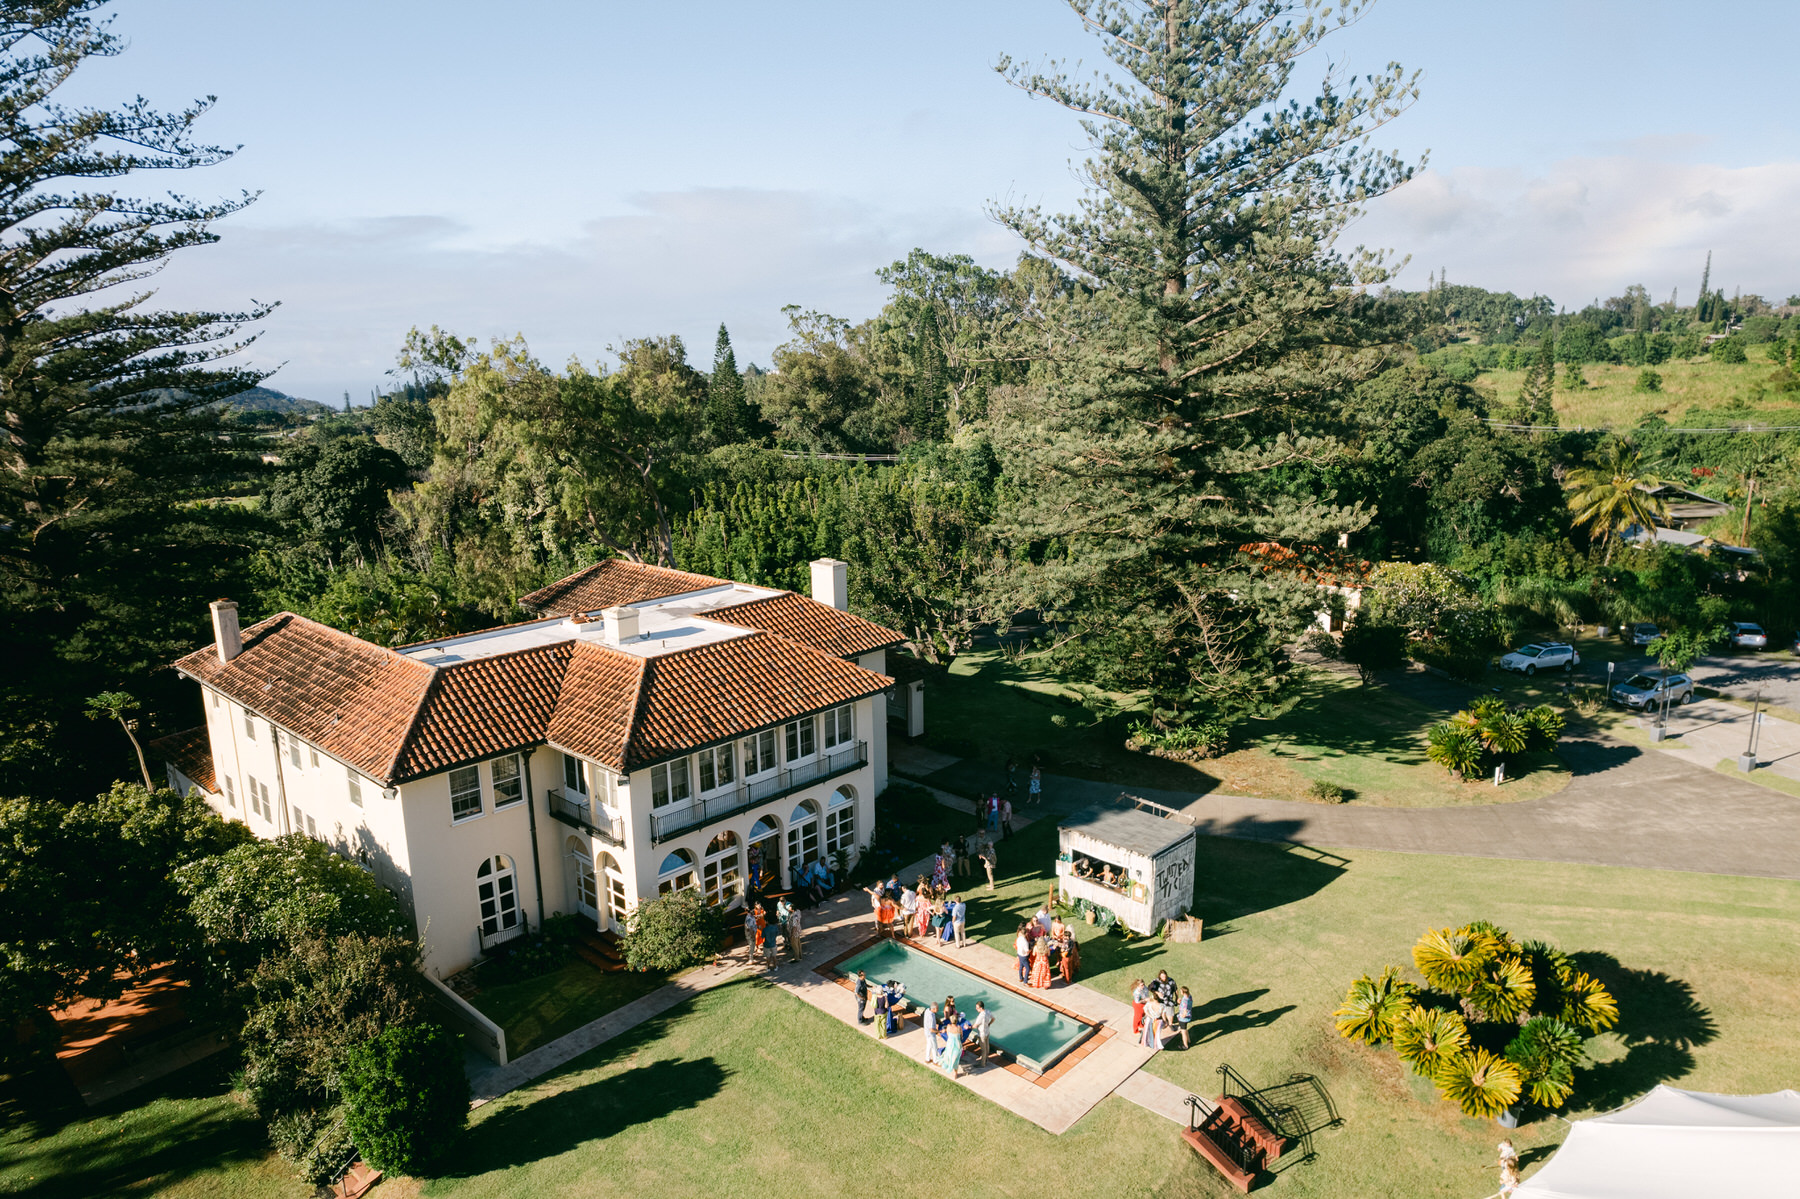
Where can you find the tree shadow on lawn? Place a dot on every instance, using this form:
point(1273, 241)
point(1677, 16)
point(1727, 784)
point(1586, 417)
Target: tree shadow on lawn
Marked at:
point(1584, 755)
point(1235, 877)
point(1660, 1023)
point(543, 1128)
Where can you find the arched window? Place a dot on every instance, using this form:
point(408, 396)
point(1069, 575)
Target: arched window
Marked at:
point(719, 869)
point(803, 835)
point(840, 824)
point(497, 887)
point(614, 878)
point(677, 872)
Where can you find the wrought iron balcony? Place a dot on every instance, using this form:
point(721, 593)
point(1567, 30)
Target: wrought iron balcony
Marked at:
point(500, 936)
point(577, 811)
point(672, 821)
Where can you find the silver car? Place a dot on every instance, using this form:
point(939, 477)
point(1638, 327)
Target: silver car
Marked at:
point(1642, 633)
point(1649, 691)
point(1748, 636)
point(1529, 659)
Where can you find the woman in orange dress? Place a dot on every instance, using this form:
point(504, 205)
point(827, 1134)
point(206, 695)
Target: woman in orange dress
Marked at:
point(1071, 956)
point(1040, 963)
point(926, 908)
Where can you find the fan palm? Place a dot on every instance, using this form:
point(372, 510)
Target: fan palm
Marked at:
point(1426, 1039)
point(1614, 494)
point(1545, 725)
point(1505, 991)
point(1454, 749)
point(1587, 1004)
point(1545, 1051)
point(1480, 1083)
point(1373, 1006)
point(1454, 960)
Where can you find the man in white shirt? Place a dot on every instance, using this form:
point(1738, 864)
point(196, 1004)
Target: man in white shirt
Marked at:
point(983, 1021)
point(929, 1019)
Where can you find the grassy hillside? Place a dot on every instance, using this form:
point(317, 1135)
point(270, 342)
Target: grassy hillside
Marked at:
point(1611, 399)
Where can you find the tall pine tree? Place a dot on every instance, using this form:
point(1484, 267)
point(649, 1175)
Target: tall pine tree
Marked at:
point(727, 413)
point(1173, 418)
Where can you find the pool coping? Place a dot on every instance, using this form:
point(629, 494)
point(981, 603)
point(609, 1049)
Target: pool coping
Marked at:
point(1098, 1031)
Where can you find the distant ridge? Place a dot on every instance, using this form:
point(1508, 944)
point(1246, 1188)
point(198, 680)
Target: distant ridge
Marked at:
point(267, 399)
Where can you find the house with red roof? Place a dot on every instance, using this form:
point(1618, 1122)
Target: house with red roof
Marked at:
point(650, 730)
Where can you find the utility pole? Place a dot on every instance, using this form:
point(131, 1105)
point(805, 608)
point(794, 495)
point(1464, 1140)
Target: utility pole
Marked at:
point(1747, 759)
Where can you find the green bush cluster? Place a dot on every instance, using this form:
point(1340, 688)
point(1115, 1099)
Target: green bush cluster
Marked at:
point(1488, 729)
point(406, 1097)
point(672, 932)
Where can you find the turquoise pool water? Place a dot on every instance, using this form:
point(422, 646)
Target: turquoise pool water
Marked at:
point(1035, 1035)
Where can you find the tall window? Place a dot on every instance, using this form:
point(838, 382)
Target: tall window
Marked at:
point(803, 835)
point(293, 749)
point(249, 725)
point(759, 753)
point(719, 869)
point(669, 783)
point(313, 755)
point(230, 796)
point(677, 873)
point(353, 785)
point(574, 778)
point(465, 793)
point(800, 735)
point(497, 888)
point(840, 727)
point(250, 796)
point(606, 786)
point(840, 824)
point(214, 696)
point(508, 787)
point(717, 769)
point(615, 890)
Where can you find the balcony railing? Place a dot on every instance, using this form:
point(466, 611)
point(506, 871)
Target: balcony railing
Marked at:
point(577, 811)
point(500, 936)
point(830, 763)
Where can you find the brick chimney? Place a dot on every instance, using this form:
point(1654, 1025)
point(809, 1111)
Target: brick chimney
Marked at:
point(621, 625)
point(226, 638)
point(831, 583)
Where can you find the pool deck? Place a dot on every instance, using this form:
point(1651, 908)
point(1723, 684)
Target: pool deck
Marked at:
point(1053, 1101)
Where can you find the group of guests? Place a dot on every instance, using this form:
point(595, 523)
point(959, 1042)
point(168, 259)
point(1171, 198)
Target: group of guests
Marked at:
point(923, 910)
point(1046, 947)
point(949, 1032)
point(763, 932)
point(1159, 1010)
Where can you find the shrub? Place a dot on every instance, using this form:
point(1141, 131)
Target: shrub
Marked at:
point(1454, 749)
point(1373, 1007)
point(672, 932)
point(1329, 792)
point(1648, 380)
point(1207, 739)
point(406, 1097)
point(529, 957)
point(1731, 350)
point(1480, 1083)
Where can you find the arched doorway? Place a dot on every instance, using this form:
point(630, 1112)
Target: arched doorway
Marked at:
point(840, 826)
point(719, 871)
point(765, 854)
point(584, 878)
point(803, 835)
point(614, 880)
point(676, 873)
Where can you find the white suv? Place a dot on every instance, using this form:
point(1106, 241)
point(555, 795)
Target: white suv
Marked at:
point(1529, 659)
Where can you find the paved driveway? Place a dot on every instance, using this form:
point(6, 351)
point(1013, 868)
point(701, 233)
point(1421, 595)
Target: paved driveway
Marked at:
point(1777, 676)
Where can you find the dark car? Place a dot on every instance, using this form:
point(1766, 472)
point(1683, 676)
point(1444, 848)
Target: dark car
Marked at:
point(1642, 633)
point(1647, 690)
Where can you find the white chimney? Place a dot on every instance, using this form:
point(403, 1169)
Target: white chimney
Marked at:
point(831, 583)
point(621, 625)
point(226, 638)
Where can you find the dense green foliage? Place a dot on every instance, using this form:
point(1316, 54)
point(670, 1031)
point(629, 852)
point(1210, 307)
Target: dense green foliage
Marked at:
point(1494, 1022)
point(672, 932)
point(406, 1097)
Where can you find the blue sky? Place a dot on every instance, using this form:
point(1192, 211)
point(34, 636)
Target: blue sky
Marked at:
point(585, 172)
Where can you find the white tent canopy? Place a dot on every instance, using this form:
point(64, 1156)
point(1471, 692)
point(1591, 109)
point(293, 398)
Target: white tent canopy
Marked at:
point(1674, 1144)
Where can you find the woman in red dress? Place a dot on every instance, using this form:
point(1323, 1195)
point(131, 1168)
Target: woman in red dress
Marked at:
point(1071, 956)
point(1040, 963)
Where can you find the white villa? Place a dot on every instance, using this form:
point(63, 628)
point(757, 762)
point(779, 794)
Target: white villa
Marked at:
point(654, 729)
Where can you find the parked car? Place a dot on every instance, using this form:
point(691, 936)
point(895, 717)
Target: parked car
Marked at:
point(1529, 659)
point(1642, 633)
point(1748, 636)
point(1646, 691)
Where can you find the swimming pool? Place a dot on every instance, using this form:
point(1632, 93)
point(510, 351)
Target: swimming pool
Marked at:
point(1036, 1036)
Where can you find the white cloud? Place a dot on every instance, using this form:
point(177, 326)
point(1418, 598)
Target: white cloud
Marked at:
point(676, 262)
point(1589, 227)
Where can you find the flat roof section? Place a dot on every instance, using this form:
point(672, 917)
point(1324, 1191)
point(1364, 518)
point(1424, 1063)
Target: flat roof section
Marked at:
point(664, 627)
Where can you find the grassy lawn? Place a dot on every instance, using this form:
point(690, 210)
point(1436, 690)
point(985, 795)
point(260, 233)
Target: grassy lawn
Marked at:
point(1611, 398)
point(1370, 740)
point(538, 1010)
point(746, 1091)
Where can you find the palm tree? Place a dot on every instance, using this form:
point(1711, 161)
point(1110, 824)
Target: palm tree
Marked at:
point(1427, 1038)
point(1614, 494)
point(1374, 1006)
point(1481, 1083)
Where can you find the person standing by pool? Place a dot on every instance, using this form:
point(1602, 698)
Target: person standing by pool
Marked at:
point(1022, 947)
point(884, 918)
point(940, 869)
point(983, 1024)
point(793, 934)
point(750, 942)
point(1040, 963)
point(951, 1058)
point(862, 997)
point(987, 861)
point(909, 906)
point(959, 918)
point(1184, 1015)
point(1139, 994)
point(1151, 1034)
point(929, 1019)
point(1071, 955)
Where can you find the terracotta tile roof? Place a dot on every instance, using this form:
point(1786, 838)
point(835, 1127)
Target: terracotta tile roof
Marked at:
point(356, 701)
point(696, 697)
point(485, 707)
point(610, 583)
point(809, 622)
point(189, 751)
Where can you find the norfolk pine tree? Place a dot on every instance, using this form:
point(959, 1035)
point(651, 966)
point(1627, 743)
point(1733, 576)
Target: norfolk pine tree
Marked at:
point(727, 414)
point(1211, 330)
